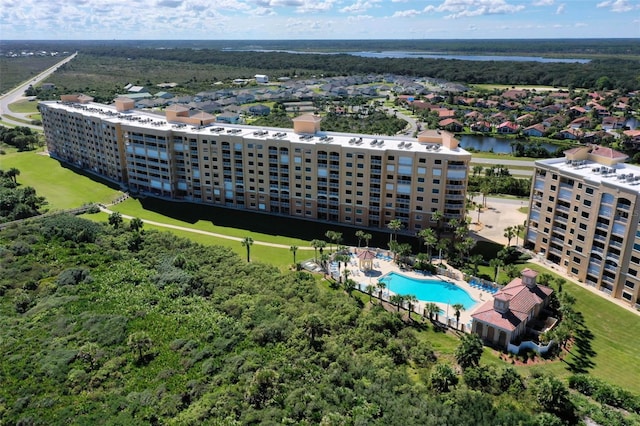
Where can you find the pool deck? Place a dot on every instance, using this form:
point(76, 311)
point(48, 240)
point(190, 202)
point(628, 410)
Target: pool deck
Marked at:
point(382, 267)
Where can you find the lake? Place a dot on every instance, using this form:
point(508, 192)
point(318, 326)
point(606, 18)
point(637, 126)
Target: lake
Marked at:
point(400, 54)
point(497, 145)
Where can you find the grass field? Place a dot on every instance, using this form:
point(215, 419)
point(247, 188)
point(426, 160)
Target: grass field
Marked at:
point(61, 186)
point(24, 107)
point(610, 353)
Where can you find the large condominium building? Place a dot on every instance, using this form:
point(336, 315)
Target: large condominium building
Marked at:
point(360, 180)
point(583, 216)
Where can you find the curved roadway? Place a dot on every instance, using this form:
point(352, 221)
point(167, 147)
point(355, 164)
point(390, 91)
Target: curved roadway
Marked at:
point(17, 94)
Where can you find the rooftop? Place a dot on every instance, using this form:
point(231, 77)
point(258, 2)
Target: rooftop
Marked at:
point(154, 121)
point(621, 175)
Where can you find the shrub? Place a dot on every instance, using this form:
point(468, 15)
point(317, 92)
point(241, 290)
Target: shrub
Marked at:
point(70, 228)
point(73, 276)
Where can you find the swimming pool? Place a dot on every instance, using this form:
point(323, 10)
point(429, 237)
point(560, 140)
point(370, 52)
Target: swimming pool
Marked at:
point(428, 290)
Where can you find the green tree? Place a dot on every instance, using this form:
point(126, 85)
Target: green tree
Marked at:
point(395, 225)
point(495, 264)
point(370, 289)
point(359, 235)
point(509, 234)
point(476, 260)
point(437, 217)
point(398, 300)
point(136, 224)
point(139, 342)
point(367, 237)
point(432, 309)
point(334, 237)
point(317, 244)
point(12, 174)
point(553, 396)
point(381, 287)
point(469, 351)
point(411, 301)
point(115, 220)
point(430, 239)
point(247, 242)
point(293, 249)
point(443, 378)
point(457, 307)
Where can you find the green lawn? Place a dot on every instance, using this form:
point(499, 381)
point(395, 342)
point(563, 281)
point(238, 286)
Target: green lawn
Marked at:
point(61, 186)
point(24, 107)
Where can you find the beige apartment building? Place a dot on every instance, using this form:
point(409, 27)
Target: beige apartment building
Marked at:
point(583, 216)
point(359, 180)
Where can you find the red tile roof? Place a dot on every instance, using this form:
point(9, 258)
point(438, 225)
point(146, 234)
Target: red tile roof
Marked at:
point(602, 151)
point(522, 301)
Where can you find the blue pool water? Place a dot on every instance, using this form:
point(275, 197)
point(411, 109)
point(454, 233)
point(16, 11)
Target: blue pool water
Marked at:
point(428, 290)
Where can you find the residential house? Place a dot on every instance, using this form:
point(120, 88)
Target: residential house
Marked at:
point(571, 134)
point(451, 125)
point(504, 319)
point(481, 126)
point(508, 127)
point(229, 117)
point(259, 110)
point(535, 130)
point(613, 123)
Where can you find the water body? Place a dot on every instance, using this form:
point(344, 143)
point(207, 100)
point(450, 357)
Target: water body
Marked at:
point(401, 54)
point(497, 145)
point(428, 290)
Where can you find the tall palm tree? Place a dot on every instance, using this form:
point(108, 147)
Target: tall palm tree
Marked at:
point(519, 229)
point(475, 260)
point(381, 287)
point(370, 289)
point(293, 249)
point(429, 238)
point(437, 216)
point(509, 233)
point(247, 242)
point(432, 309)
point(334, 237)
point(411, 300)
point(317, 244)
point(496, 264)
point(395, 225)
point(397, 300)
point(457, 307)
point(359, 236)
point(367, 237)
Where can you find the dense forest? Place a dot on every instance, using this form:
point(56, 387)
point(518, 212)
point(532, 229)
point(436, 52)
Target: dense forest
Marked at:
point(112, 324)
point(623, 73)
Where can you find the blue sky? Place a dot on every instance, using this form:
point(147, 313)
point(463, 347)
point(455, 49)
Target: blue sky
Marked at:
point(317, 19)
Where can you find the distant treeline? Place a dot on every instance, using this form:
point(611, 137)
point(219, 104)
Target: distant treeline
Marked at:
point(586, 48)
point(622, 74)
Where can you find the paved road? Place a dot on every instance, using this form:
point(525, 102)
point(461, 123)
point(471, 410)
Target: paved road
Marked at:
point(17, 94)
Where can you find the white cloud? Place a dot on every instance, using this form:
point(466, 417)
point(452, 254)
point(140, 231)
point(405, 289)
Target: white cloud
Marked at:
point(542, 3)
point(470, 8)
point(358, 18)
point(406, 13)
point(560, 9)
point(359, 6)
point(617, 5)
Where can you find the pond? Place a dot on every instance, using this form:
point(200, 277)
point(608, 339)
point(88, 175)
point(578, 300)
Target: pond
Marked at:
point(497, 145)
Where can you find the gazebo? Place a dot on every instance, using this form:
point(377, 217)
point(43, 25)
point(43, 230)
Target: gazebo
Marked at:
point(365, 259)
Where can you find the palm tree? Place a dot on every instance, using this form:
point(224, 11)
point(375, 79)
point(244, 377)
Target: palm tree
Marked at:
point(509, 233)
point(140, 342)
point(477, 170)
point(395, 225)
point(442, 245)
point(430, 239)
point(359, 236)
point(496, 264)
point(247, 242)
point(432, 309)
point(475, 260)
point(293, 249)
point(367, 237)
point(334, 237)
point(457, 307)
point(437, 216)
point(381, 286)
point(13, 173)
point(519, 229)
point(115, 219)
point(370, 289)
point(317, 244)
point(136, 224)
point(411, 300)
point(397, 300)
